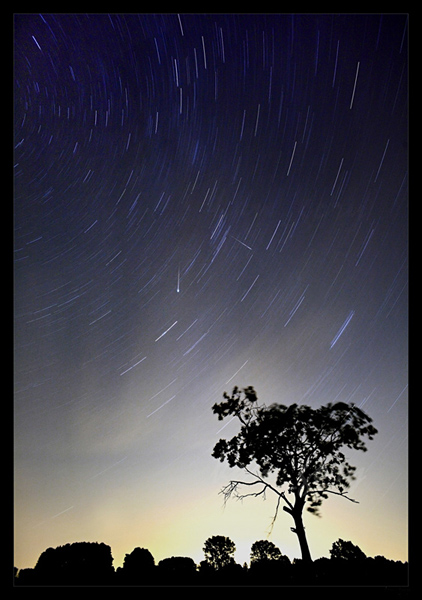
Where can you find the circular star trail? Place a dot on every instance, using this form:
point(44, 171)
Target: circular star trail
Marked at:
point(202, 201)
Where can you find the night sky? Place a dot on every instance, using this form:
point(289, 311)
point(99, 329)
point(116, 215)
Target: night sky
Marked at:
point(203, 201)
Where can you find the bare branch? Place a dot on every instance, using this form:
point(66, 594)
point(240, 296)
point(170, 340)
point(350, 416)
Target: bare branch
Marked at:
point(265, 483)
point(232, 489)
point(342, 494)
point(289, 504)
point(273, 520)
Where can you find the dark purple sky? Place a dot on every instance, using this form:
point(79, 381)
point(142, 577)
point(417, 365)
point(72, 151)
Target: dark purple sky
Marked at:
point(203, 201)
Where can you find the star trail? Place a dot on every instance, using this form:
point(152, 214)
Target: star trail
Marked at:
point(203, 201)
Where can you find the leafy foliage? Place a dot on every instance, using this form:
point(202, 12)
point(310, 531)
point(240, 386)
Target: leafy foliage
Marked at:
point(178, 564)
point(138, 559)
point(83, 562)
point(219, 551)
point(346, 550)
point(87, 564)
point(264, 550)
point(299, 445)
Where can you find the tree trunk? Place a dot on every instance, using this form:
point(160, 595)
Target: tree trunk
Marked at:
point(300, 532)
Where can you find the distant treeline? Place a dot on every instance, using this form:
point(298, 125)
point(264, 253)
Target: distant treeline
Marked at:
point(91, 564)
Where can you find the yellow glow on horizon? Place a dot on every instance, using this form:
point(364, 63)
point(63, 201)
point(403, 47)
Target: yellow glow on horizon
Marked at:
point(170, 523)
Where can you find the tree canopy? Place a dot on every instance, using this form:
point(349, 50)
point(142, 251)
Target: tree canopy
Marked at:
point(264, 550)
point(87, 564)
point(139, 558)
point(83, 562)
point(219, 551)
point(346, 550)
point(294, 450)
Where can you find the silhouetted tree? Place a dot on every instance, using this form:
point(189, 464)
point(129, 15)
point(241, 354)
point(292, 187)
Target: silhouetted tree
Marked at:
point(219, 551)
point(346, 550)
point(264, 550)
point(268, 564)
point(139, 558)
point(178, 563)
point(177, 570)
point(80, 563)
point(298, 445)
point(75, 564)
point(138, 567)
